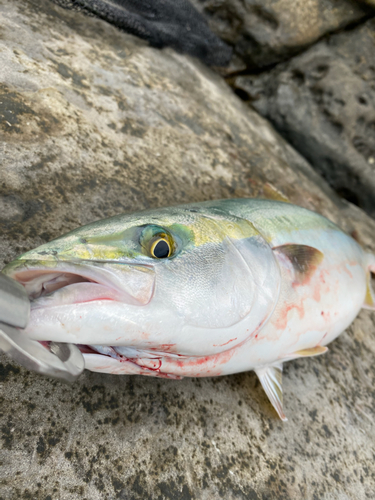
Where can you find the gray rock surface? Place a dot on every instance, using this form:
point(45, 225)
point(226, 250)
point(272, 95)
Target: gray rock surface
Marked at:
point(264, 32)
point(93, 123)
point(323, 102)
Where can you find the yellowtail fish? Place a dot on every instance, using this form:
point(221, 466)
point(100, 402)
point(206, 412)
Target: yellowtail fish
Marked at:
point(198, 290)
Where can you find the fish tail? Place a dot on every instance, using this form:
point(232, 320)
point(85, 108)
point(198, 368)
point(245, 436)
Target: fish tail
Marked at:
point(369, 302)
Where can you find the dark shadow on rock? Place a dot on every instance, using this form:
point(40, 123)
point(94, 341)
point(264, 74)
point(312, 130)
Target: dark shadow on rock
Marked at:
point(163, 23)
point(265, 32)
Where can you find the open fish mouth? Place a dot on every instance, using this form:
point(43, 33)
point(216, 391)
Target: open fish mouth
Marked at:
point(64, 283)
point(53, 285)
point(46, 289)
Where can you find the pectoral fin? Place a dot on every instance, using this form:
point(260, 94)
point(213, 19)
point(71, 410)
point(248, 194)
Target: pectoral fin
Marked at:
point(303, 258)
point(271, 379)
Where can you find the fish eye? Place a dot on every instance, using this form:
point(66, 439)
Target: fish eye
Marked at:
point(160, 249)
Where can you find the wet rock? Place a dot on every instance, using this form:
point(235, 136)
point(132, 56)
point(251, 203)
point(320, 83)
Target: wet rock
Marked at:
point(323, 102)
point(264, 32)
point(96, 123)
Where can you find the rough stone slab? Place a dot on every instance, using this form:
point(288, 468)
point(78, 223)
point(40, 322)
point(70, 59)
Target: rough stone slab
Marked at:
point(264, 32)
point(323, 102)
point(94, 122)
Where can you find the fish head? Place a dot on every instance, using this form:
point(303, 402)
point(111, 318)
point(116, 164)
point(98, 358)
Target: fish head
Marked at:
point(180, 280)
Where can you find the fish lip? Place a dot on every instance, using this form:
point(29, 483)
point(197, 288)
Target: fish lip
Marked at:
point(27, 270)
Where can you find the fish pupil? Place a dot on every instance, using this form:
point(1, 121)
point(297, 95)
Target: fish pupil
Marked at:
point(161, 249)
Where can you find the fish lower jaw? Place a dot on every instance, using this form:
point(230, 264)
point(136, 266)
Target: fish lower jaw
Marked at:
point(144, 362)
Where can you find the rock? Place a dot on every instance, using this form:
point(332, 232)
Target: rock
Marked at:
point(264, 32)
point(369, 2)
point(323, 102)
point(94, 122)
point(164, 23)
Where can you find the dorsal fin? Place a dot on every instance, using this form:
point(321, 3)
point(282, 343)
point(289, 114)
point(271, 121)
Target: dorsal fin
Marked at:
point(271, 379)
point(304, 259)
point(271, 192)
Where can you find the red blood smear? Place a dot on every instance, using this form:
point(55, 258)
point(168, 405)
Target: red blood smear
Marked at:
point(226, 343)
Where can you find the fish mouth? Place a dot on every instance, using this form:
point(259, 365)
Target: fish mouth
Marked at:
point(54, 284)
point(51, 285)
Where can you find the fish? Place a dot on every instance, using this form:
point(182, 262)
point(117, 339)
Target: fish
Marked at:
point(198, 290)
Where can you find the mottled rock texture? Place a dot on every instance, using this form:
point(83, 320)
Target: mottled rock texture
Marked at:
point(93, 123)
point(264, 32)
point(323, 102)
